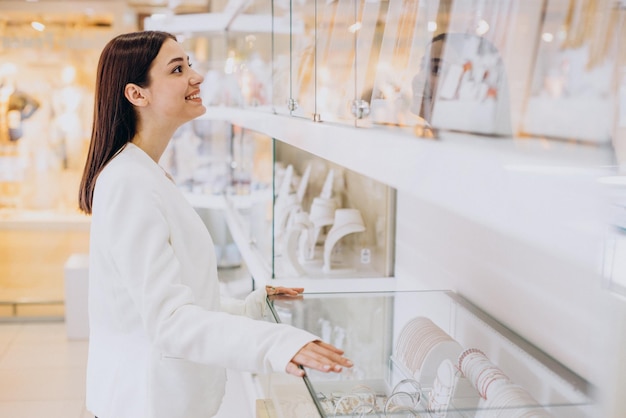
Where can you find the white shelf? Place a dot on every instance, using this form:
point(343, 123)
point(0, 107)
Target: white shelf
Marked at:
point(22, 219)
point(507, 184)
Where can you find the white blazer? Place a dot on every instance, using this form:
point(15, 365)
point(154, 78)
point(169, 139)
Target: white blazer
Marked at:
point(160, 337)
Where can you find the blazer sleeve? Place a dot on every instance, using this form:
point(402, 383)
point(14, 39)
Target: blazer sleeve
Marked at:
point(139, 242)
point(253, 306)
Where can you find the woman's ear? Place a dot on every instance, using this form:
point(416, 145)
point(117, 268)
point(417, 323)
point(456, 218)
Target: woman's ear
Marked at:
point(135, 94)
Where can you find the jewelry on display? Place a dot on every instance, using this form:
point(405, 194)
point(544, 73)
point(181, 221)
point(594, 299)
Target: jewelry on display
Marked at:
point(351, 404)
point(400, 402)
point(422, 346)
point(465, 354)
point(347, 221)
point(411, 387)
point(481, 372)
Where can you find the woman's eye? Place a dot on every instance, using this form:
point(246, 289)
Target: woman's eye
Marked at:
point(178, 69)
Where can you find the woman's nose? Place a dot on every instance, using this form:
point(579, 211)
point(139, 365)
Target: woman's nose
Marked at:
point(196, 78)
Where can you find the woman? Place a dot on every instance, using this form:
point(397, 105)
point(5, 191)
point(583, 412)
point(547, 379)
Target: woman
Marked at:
point(160, 337)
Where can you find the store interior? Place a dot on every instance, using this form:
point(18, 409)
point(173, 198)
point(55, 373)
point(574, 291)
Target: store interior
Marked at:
point(461, 161)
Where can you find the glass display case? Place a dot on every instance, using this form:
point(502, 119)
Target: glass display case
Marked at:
point(422, 354)
point(317, 223)
point(324, 225)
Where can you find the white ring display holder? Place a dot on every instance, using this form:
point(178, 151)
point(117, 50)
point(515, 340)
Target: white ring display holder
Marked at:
point(322, 215)
point(347, 221)
point(295, 231)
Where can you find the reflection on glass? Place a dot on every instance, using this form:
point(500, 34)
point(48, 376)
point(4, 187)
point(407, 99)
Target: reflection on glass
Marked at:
point(462, 86)
point(409, 27)
point(574, 74)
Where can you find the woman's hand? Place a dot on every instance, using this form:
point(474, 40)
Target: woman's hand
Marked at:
point(320, 356)
point(283, 291)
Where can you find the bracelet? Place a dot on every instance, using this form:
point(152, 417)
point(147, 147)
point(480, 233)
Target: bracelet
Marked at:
point(465, 354)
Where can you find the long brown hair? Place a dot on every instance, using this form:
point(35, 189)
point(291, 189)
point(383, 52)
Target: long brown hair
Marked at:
point(125, 59)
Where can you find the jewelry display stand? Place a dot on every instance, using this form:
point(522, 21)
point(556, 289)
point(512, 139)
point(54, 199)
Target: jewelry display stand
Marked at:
point(323, 209)
point(322, 215)
point(346, 222)
point(325, 195)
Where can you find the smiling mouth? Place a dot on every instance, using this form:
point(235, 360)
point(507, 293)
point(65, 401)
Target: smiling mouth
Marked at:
point(193, 96)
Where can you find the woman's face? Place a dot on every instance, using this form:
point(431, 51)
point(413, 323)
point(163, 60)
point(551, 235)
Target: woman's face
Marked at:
point(174, 89)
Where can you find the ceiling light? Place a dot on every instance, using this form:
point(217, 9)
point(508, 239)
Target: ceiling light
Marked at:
point(38, 26)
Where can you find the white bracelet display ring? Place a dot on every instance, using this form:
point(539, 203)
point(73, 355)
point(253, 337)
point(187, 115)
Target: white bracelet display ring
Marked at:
point(347, 221)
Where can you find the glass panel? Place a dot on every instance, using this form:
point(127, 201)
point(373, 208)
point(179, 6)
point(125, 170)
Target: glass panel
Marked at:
point(337, 26)
point(281, 57)
point(324, 225)
point(302, 67)
point(574, 74)
point(369, 34)
point(409, 26)
point(198, 157)
point(250, 190)
point(478, 68)
point(209, 56)
point(249, 43)
point(427, 354)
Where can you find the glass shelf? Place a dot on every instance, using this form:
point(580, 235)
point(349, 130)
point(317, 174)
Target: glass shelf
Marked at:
point(426, 354)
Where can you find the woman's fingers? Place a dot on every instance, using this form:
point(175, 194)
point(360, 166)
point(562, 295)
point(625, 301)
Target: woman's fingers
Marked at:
point(326, 346)
point(292, 368)
point(280, 290)
point(321, 356)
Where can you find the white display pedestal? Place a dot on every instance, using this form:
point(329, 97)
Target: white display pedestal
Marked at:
point(76, 290)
